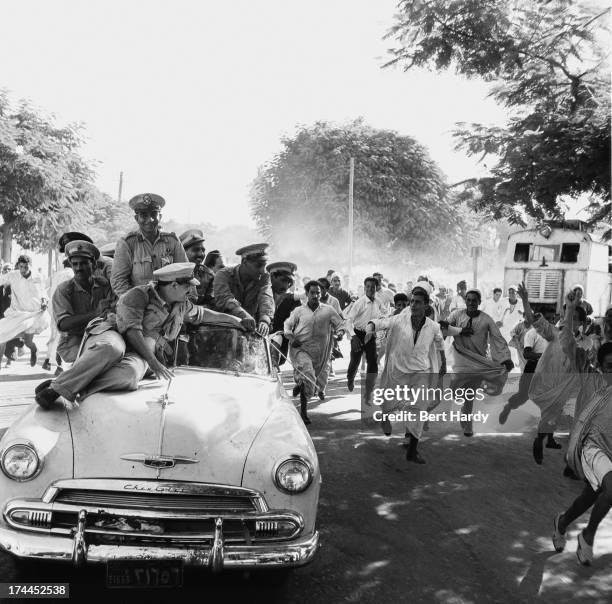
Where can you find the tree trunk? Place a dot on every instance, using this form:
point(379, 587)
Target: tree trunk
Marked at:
point(7, 242)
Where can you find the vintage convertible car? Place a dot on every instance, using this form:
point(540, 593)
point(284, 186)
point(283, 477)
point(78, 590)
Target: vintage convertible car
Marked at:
point(213, 469)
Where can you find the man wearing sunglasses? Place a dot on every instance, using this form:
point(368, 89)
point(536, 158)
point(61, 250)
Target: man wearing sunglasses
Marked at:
point(149, 248)
point(245, 290)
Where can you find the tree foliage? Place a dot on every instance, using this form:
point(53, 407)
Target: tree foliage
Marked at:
point(401, 201)
point(46, 187)
point(546, 65)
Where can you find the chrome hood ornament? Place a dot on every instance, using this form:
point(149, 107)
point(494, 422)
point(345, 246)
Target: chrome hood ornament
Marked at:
point(159, 462)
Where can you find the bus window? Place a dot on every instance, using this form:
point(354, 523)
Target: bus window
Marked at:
point(569, 252)
point(521, 252)
point(550, 252)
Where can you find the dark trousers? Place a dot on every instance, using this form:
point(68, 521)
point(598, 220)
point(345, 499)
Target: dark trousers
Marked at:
point(522, 396)
point(370, 352)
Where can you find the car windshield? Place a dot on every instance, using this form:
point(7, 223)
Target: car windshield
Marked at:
point(228, 349)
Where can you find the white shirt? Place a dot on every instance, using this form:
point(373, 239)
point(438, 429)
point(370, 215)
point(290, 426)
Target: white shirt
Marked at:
point(457, 303)
point(495, 309)
point(535, 341)
point(363, 311)
point(403, 355)
point(26, 294)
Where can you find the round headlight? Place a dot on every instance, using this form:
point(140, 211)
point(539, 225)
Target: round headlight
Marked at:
point(20, 462)
point(293, 475)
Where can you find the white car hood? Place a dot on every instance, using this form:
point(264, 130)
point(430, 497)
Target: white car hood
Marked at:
point(207, 427)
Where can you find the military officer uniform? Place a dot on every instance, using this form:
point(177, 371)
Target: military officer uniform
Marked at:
point(136, 258)
point(204, 293)
point(107, 362)
point(284, 304)
point(70, 299)
point(249, 298)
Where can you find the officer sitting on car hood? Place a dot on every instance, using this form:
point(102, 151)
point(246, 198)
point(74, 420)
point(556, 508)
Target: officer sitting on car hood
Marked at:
point(149, 317)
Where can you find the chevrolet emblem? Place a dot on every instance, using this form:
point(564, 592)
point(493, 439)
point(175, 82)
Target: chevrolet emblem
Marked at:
point(159, 462)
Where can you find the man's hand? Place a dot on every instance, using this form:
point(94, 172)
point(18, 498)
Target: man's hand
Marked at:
point(509, 365)
point(443, 324)
point(263, 329)
point(44, 304)
point(248, 323)
point(356, 344)
point(369, 334)
point(160, 370)
point(522, 291)
point(467, 331)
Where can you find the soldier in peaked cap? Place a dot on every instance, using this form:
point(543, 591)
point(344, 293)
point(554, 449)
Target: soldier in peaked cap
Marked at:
point(245, 291)
point(193, 242)
point(78, 300)
point(145, 250)
point(282, 276)
point(149, 317)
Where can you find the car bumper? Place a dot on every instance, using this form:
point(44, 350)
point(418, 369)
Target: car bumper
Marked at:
point(217, 556)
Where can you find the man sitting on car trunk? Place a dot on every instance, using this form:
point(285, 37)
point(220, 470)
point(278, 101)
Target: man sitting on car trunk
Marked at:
point(149, 317)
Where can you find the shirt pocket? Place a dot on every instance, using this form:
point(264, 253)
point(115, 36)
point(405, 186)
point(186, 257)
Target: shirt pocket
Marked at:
point(142, 269)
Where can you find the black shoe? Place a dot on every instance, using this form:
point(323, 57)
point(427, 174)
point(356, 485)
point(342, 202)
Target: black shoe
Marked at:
point(46, 397)
point(415, 457)
point(551, 443)
point(296, 390)
point(505, 412)
point(321, 395)
point(33, 358)
point(350, 384)
point(42, 386)
point(47, 365)
point(569, 473)
point(538, 451)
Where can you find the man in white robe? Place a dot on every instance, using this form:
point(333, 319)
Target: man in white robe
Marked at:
point(414, 344)
point(27, 315)
point(309, 329)
point(475, 334)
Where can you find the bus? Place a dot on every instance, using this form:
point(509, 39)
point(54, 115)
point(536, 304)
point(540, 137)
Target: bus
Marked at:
point(555, 256)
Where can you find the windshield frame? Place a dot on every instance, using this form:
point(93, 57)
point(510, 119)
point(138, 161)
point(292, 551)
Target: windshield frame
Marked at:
point(271, 373)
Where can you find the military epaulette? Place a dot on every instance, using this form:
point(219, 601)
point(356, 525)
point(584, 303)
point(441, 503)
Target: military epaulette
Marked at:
point(131, 234)
point(169, 233)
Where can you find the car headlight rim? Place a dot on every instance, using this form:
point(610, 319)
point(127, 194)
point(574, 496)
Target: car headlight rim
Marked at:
point(298, 459)
point(26, 447)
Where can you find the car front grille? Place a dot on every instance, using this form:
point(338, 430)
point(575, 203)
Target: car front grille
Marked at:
point(206, 504)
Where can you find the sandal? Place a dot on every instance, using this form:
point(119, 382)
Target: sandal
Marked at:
point(558, 538)
point(584, 551)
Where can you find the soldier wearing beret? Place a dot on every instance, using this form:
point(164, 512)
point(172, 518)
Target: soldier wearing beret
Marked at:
point(78, 300)
point(282, 275)
point(193, 242)
point(245, 291)
point(149, 317)
point(141, 252)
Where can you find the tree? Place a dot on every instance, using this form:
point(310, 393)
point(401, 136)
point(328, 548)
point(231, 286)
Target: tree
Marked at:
point(545, 62)
point(44, 183)
point(299, 200)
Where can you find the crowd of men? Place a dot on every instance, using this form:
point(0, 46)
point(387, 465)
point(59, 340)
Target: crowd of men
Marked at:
point(116, 317)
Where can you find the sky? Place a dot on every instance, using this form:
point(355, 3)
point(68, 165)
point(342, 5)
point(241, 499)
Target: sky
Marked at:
point(188, 98)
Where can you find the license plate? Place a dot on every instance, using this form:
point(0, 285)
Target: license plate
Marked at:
point(157, 573)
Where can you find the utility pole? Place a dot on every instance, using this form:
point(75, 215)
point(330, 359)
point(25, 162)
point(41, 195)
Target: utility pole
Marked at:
point(120, 187)
point(350, 224)
point(475, 252)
